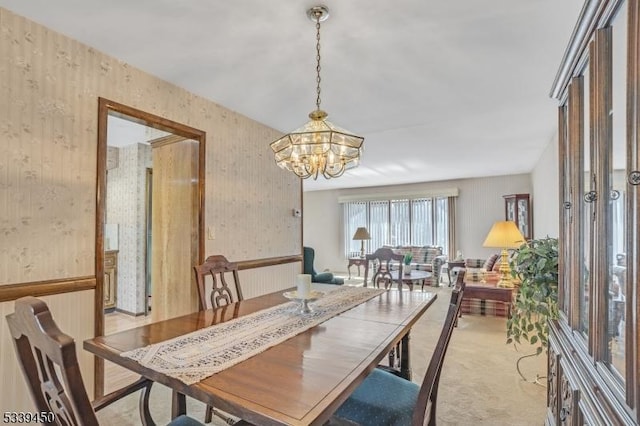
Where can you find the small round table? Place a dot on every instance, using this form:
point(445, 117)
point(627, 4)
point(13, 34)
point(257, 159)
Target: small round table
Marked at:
point(411, 279)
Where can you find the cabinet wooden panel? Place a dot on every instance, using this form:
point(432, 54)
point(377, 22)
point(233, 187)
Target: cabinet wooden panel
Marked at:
point(110, 278)
point(553, 402)
point(569, 414)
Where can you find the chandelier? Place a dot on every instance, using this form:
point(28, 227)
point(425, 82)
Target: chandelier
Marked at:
point(319, 147)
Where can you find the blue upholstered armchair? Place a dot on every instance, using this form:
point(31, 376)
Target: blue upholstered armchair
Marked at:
point(308, 255)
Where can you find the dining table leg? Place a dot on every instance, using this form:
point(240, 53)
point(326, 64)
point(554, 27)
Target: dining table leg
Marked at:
point(178, 404)
point(405, 361)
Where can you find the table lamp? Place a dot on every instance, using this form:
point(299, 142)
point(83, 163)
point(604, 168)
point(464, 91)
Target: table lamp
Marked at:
point(504, 235)
point(361, 234)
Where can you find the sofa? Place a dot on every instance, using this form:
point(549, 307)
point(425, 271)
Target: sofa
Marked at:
point(478, 270)
point(425, 258)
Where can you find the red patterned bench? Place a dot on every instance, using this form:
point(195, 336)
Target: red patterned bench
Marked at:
point(486, 299)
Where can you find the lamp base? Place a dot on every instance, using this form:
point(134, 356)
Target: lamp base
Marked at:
point(504, 284)
point(505, 271)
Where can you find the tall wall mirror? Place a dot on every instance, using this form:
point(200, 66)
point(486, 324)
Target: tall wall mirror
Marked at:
point(149, 224)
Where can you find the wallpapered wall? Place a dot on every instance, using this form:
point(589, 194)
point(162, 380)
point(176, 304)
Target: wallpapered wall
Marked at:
point(545, 181)
point(126, 206)
point(49, 89)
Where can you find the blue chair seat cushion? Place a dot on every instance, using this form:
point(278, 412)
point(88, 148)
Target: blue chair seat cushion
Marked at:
point(185, 421)
point(382, 399)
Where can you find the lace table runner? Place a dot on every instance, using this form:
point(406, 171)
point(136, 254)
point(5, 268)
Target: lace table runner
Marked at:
point(200, 354)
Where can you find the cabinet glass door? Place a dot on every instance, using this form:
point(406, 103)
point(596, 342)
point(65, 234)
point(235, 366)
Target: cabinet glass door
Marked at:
point(566, 209)
point(511, 209)
point(616, 292)
point(523, 217)
point(587, 211)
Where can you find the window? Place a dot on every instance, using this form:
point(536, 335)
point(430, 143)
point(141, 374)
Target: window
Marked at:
point(419, 222)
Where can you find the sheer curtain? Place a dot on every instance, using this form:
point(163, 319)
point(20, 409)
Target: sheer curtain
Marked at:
point(378, 224)
point(451, 222)
point(441, 219)
point(355, 216)
point(419, 222)
point(400, 222)
point(422, 221)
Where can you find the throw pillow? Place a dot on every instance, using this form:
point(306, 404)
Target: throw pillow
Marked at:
point(496, 265)
point(491, 260)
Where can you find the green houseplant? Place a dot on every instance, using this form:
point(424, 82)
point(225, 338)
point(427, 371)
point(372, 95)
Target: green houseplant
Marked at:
point(535, 264)
point(407, 263)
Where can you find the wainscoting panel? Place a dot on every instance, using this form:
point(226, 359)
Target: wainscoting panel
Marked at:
point(76, 322)
point(259, 281)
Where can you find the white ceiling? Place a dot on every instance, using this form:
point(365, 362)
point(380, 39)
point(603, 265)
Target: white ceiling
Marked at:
point(439, 89)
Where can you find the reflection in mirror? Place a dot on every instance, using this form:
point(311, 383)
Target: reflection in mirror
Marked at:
point(127, 217)
point(587, 205)
point(616, 244)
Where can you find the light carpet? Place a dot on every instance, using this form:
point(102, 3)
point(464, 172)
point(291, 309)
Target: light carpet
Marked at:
point(479, 384)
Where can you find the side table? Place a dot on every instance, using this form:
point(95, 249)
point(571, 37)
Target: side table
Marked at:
point(358, 261)
point(453, 264)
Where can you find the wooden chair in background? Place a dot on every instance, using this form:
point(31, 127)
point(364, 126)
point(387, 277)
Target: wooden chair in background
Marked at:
point(219, 269)
point(381, 259)
point(49, 363)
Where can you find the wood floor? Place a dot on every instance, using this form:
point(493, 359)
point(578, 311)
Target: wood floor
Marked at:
point(115, 376)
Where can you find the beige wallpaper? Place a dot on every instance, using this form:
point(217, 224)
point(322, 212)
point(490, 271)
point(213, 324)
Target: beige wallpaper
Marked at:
point(49, 89)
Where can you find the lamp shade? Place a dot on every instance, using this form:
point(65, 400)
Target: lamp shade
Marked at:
point(504, 234)
point(361, 234)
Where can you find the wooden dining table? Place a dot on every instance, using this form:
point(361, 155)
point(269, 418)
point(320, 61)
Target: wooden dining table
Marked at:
point(301, 381)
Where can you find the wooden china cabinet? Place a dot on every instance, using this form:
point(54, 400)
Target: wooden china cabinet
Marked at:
point(594, 360)
point(517, 208)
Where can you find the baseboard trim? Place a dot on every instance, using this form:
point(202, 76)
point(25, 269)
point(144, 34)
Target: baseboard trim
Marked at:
point(122, 311)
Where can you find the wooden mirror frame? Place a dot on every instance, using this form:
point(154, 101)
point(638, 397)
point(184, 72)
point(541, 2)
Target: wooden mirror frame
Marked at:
point(105, 107)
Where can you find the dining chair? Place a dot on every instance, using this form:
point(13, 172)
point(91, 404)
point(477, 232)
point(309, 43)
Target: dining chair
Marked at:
point(385, 399)
point(49, 363)
point(382, 259)
point(459, 285)
point(219, 269)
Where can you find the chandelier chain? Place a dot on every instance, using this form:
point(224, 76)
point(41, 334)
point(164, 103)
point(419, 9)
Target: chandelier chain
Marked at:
point(318, 62)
